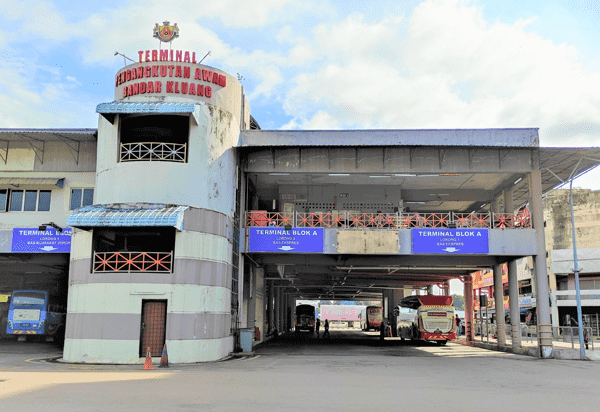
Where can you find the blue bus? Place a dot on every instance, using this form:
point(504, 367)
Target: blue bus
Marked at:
point(31, 312)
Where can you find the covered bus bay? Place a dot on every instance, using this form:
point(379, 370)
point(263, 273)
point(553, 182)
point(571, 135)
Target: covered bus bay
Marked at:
point(372, 214)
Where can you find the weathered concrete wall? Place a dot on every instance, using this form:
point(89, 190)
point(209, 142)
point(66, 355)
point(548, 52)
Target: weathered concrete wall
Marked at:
point(367, 241)
point(557, 214)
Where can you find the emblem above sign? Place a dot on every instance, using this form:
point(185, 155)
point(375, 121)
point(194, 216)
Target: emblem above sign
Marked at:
point(166, 32)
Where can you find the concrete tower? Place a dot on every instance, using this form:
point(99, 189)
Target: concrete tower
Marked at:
point(152, 260)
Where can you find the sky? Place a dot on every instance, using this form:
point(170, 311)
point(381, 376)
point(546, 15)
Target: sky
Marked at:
point(325, 64)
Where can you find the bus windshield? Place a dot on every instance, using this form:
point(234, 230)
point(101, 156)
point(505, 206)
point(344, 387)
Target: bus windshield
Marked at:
point(28, 299)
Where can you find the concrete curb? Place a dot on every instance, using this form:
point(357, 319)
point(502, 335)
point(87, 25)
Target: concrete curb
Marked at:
point(241, 354)
point(557, 353)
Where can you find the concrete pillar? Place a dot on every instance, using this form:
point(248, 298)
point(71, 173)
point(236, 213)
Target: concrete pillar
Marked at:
point(499, 302)
point(397, 295)
point(554, 309)
point(251, 298)
point(271, 306)
point(446, 289)
point(539, 263)
point(468, 291)
point(509, 204)
point(277, 310)
point(513, 295)
point(288, 314)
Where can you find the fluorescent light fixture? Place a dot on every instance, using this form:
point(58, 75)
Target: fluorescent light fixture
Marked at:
point(404, 175)
point(380, 176)
point(339, 174)
point(483, 205)
point(518, 180)
point(449, 174)
point(416, 203)
point(427, 175)
point(439, 194)
point(279, 174)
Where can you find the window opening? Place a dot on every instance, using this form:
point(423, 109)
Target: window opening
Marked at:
point(16, 200)
point(134, 250)
point(3, 200)
point(154, 138)
point(44, 201)
point(25, 200)
point(81, 198)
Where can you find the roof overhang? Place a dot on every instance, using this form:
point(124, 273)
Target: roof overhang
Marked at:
point(128, 215)
point(32, 181)
point(110, 110)
point(522, 138)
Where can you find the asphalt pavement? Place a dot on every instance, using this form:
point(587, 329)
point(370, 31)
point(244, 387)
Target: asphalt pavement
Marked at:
point(351, 371)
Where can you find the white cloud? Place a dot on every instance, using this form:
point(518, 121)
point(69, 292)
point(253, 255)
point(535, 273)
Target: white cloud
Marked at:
point(454, 69)
point(39, 18)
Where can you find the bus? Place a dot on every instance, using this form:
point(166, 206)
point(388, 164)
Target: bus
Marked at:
point(31, 312)
point(429, 318)
point(371, 318)
point(305, 318)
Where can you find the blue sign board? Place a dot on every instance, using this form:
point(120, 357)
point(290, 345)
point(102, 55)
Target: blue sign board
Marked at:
point(449, 241)
point(277, 239)
point(33, 240)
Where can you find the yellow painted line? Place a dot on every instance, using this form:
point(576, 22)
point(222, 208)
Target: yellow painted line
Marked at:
point(33, 360)
point(252, 358)
point(16, 383)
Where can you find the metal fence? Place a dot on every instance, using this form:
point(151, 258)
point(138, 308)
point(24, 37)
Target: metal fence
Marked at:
point(485, 330)
point(133, 262)
point(153, 151)
point(571, 334)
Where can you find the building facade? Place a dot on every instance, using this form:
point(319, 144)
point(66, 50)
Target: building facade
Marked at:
point(559, 241)
point(188, 224)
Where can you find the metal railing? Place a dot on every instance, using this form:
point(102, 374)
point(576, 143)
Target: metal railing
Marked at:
point(133, 262)
point(486, 329)
point(358, 220)
point(571, 334)
point(152, 151)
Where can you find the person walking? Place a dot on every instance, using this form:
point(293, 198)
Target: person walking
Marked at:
point(457, 322)
point(586, 335)
point(318, 326)
point(326, 327)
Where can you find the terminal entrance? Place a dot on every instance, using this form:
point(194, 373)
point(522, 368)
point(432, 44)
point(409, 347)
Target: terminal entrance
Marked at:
point(46, 277)
point(325, 221)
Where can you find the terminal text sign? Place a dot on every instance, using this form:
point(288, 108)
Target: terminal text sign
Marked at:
point(277, 239)
point(457, 241)
point(33, 240)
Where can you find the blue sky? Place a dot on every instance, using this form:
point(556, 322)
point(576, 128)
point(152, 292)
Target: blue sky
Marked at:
point(318, 64)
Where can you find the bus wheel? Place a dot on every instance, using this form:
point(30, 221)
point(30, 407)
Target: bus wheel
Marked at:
point(442, 342)
point(51, 329)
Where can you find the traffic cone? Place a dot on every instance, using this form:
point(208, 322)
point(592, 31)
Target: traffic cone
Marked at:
point(148, 364)
point(164, 359)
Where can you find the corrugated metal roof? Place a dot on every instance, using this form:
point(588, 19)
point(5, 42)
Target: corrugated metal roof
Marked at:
point(137, 107)
point(32, 181)
point(48, 134)
point(128, 215)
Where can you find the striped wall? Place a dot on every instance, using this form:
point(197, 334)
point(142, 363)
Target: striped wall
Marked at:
point(104, 309)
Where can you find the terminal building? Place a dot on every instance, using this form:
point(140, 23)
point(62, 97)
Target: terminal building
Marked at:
point(187, 222)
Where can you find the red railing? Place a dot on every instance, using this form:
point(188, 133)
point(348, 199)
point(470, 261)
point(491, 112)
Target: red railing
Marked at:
point(390, 220)
point(472, 220)
point(133, 262)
